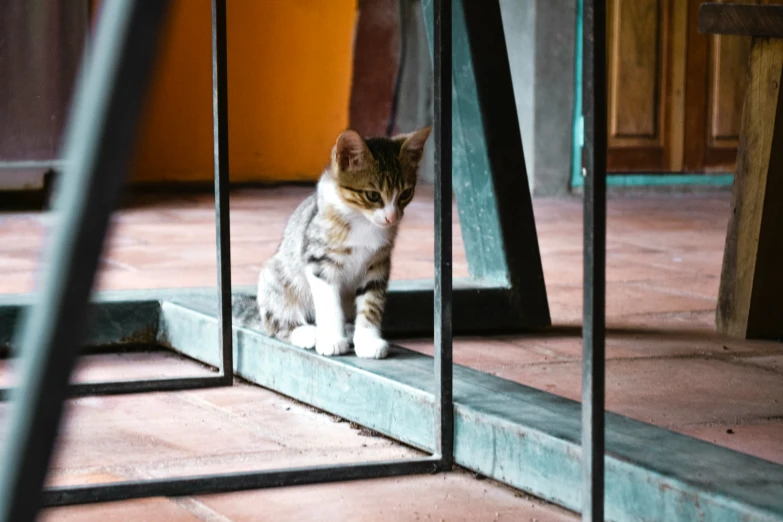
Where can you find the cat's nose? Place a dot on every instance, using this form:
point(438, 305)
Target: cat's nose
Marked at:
point(390, 218)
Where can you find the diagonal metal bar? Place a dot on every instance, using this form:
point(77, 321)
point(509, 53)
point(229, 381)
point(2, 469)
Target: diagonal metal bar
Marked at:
point(100, 135)
point(444, 406)
point(495, 209)
point(220, 158)
point(594, 327)
point(222, 225)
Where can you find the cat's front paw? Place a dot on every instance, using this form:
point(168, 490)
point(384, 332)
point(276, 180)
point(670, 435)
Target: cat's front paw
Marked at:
point(304, 336)
point(330, 345)
point(368, 343)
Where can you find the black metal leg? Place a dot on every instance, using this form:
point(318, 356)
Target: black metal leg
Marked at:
point(444, 411)
point(99, 146)
point(100, 135)
point(222, 222)
point(222, 210)
point(594, 327)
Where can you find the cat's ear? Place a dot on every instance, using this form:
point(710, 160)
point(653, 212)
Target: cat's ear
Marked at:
point(350, 151)
point(413, 146)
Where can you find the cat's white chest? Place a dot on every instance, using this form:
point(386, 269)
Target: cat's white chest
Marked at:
point(366, 236)
point(365, 239)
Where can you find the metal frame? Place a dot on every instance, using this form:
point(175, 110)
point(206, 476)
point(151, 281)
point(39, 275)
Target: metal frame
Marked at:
point(443, 364)
point(220, 158)
point(594, 323)
point(111, 91)
point(223, 236)
point(101, 126)
point(119, 71)
point(533, 435)
point(505, 292)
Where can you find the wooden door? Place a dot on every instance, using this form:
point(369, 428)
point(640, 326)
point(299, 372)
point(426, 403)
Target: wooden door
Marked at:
point(639, 84)
point(674, 96)
point(716, 81)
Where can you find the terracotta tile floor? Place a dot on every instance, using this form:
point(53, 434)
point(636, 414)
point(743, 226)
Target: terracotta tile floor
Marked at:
point(665, 363)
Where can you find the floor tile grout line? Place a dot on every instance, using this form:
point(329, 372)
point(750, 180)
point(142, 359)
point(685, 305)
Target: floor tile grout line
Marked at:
point(611, 321)
point(133, 471)
point(240, 420)
point(190, 504)
point(716, 356)
point(198, 509)
point(747, 421)
point(673, 291)
point(228, 415)
point(740, 360)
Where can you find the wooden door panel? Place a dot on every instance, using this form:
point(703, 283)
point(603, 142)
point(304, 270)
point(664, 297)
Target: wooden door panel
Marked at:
point(635, 72)
point(726, 89)
point(717, 79)
point(727, 81)
point(727, 64)
point(638, 56)
point(674, 96)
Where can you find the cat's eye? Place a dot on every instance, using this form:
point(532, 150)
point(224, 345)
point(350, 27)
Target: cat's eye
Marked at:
point(372, 196)
point(406, 194)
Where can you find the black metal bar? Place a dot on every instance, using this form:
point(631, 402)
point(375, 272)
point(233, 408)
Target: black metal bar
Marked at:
point(227, 482)
point(100, 136)
point(444, 405)
point(222, 209)
point(232, 481)
point(144, 386)
point(594, 324)
point(139, 386)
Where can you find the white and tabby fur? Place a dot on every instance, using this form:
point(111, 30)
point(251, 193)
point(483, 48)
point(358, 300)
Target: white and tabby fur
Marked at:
point(325, 287)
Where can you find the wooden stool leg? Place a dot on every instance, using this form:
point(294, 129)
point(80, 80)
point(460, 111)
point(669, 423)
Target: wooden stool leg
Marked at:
point(751, 286)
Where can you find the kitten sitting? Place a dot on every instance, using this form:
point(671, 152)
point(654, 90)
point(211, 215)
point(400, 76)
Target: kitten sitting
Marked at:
point(332, 266)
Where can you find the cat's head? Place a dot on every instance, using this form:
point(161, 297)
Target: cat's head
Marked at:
point(377, 176)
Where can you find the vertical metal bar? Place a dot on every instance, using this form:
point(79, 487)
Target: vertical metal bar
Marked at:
point(222, 209)
point(594, 328)
point(100, 133)
point(444, 407)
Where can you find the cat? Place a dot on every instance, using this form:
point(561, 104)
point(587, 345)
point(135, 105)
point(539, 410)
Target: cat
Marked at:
point(326, 285)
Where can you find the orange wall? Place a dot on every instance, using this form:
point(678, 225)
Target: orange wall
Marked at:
point(289, 74)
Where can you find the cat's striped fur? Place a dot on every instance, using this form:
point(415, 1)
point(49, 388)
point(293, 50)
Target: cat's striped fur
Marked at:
point(325, 287)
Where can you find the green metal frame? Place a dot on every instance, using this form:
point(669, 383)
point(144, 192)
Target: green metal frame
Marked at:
point(98, 140)
point(506, 290)
point(518, 435)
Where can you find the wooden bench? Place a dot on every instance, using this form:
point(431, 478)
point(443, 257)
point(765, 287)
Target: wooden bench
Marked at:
point(750, 300)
